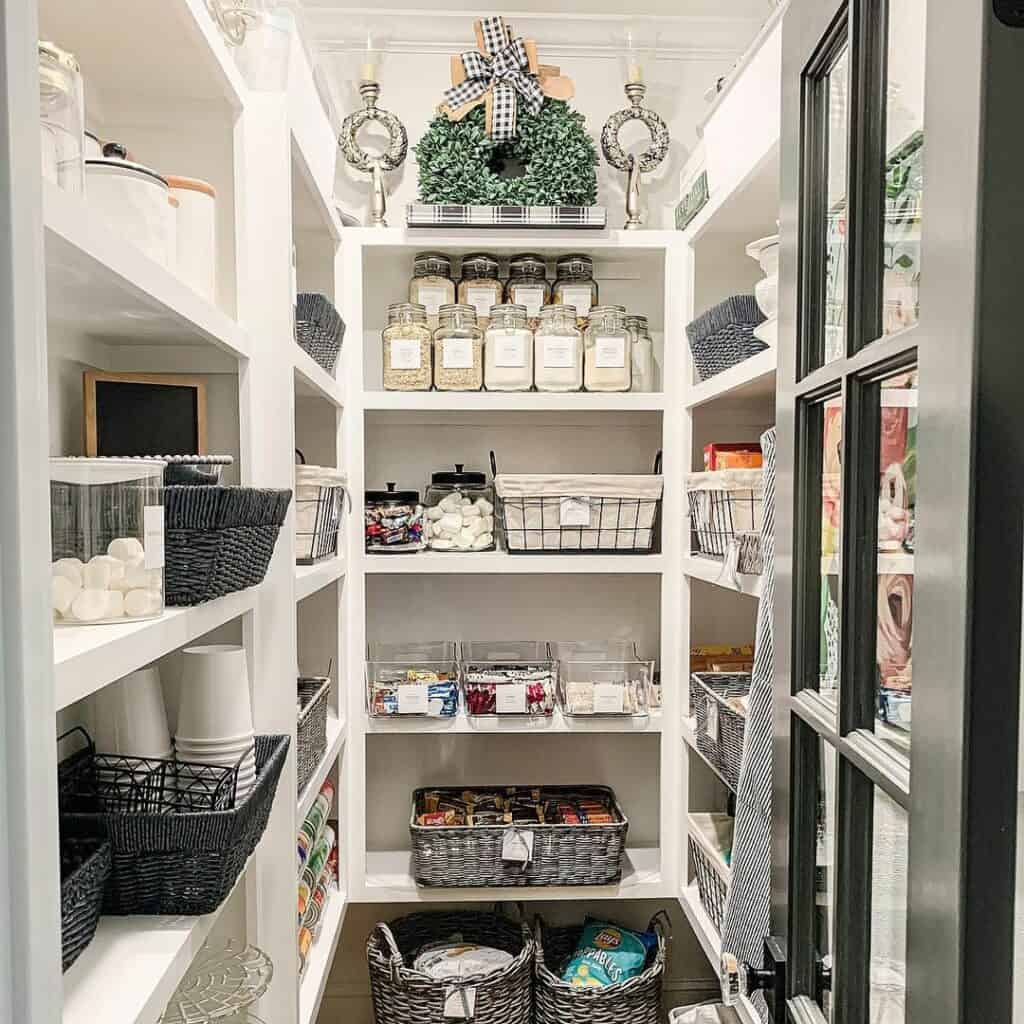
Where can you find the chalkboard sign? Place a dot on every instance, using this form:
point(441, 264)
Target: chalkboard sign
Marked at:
point(144, 414)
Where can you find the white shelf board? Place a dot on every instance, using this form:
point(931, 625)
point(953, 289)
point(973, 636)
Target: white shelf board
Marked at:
point(336, 734)
point(513, 401)
point(501, 562)
point(505, 240)
point(102, 286)
point(504, 724)
point(311, 578)
point(709, 570)
point(312, 380)
point(87, 658)
point(702, 925)
point(321, 958)
point(753, 378)
point(689, 731)
point(389, 880)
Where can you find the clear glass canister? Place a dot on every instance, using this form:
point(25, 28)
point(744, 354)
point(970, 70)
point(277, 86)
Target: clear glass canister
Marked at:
point(61, 118)
point(558, 347)
point(407, 348)
point(527, 285)
point(393, 521)
point(608, 355)
point(480, 287)
point(643, 353)
point(575, 284)
point(458, 350)
point(432, 285)
point(460, 511)
point(508, 350)
point(107, 539)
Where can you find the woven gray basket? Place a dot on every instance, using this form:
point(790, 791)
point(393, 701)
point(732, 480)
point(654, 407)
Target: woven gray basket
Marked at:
point(311, 728)
point(724, 335)
point(319, 329)
point(635, 1001)
point(461, 856)
point(402, 995)
point(720, 728)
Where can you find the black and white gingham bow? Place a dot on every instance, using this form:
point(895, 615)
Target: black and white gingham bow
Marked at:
point(505, 72)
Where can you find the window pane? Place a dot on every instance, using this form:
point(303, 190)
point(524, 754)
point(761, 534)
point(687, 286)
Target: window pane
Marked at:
point(835, 242)
point(825, 862)
point(904, 145)
point(888, 912)
point(897, 499)
point(831, 546)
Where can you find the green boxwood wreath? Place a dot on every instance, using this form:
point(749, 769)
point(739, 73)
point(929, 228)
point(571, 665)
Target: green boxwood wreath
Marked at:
point(459, 164)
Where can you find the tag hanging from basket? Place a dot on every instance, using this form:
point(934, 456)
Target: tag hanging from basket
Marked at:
point(502, 73)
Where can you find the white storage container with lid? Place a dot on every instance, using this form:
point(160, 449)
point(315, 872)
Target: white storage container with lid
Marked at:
point(196, 236)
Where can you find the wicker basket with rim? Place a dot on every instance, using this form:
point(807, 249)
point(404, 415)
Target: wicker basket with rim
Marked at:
point(720, 727)
point(402, 995)
point(84, 869)
point(311, 731)
point(636, 1000)
point(319, 329)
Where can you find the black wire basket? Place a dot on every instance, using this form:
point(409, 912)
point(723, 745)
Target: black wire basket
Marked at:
point(724, 514)
point(319, 329)
point(311, 729)
point(84, 869)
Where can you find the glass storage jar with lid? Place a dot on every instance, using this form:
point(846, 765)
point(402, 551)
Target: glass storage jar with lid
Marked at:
point(61, 118)
point(574, 284)
point(393, 521)
point(608, 357)
point(107, 539)
point(527, 285)
point(432, 285)
point(480, 287)
point(407, 348)
point(558, 348)
point(643, 353)
point(508, 350)
point(458, 350)
point(460, 511)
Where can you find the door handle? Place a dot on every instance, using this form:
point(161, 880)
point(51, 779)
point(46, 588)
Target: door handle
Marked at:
point(745, 979)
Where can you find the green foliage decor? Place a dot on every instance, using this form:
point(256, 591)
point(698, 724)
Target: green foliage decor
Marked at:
point(459, 164)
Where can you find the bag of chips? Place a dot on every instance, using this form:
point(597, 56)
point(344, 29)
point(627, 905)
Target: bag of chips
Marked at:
point(607, 954)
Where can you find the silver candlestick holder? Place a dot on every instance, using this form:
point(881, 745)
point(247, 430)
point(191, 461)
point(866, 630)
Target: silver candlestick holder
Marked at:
point(631, 164)
point(374, 164)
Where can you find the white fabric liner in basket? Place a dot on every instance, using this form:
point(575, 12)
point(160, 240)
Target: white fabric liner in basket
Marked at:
point(309, 515)
point(739, 484)
point(617, 511)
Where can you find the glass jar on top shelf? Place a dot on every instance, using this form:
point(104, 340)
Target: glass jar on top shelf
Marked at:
point(508, 350)
point(61, 118)
point(528, 286)
point(407, 348)
point(608, 357)
point(458, 350)
point(574, 284)
point(460, 511)
point(480, 287)
point(643, 353)
point(558, 350)
point(432, 286)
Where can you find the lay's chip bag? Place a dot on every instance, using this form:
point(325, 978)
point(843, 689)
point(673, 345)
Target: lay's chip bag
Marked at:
point(607, 954)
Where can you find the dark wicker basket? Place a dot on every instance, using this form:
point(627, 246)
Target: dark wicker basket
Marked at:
point(166, 863)
point(319, 329)
point(461, 856)
point(311, 733)
point(84, 869)
point(219, 539)
point(402, 995)
point(724, 335)
point(720, 728)
point(636, 1000)
point(712, 877)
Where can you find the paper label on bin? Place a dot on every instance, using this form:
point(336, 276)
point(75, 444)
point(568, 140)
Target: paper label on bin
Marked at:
point(574, 512)
point(153, 536)
point(405, 354)
point(580, 297)
point(711, 725)
point(432, 297)
point(609, 352)
point(459, 1003)
point(412, 699)
point(509, 348)
point(530, 296)
point(510, 699)
point(559, 353)
point(457, 354)
point(517, 846)
point(608, 699)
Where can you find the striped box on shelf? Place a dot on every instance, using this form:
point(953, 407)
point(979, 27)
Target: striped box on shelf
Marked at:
point(443, 215)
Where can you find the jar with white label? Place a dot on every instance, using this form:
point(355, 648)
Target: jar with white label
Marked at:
point(508, 350)
point(527, 285)
point(480, 287)
point(574, 284)
point(608, 355)
point(432, 285)
point(407, 348)
point(558, 350)
point(458, 350)
point(643, 353)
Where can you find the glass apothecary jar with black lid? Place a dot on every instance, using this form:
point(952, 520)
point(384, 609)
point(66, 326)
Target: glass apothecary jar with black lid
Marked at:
point(527, 285)
point(574, 284)
point(459, 513)
point(480, 287)
point(432, 286)
point(393, 521)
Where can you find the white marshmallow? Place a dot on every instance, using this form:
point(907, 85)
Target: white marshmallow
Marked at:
point(436, 529)
point(489, 524)
point(62, 593)
point(115, 604)
point(486, 508)
point(485, 540)
point(470, 512)
point(442, 544)
point(464, 543)
point(89, 605)
point(475, 527)
point(70, 568)
point(124, 548)
point(452, 503)
point(142, 602)
point(97, 576)
point(435, 512)
point(451, 522)
point(138, 562)
point(466, 502)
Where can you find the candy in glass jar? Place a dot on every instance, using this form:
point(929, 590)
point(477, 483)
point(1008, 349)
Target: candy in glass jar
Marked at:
point(393, 521)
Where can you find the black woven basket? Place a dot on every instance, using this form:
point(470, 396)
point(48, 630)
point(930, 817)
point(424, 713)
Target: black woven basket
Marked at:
point(402, 995)
point(319, 329)
point(84, 869)
point(311, 731)
point(636, 1000)
point(724, 335)
point(460, 856)
point(218, 539)
point(711, 887)
point(720, 728)
point(168, 863)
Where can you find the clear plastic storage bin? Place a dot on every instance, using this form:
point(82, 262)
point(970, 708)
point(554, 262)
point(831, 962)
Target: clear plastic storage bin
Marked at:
point(508, 678)
point(420, 679)
point(590, 689)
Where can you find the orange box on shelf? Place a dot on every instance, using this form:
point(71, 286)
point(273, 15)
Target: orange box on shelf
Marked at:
point(709, 657)
point(738, 455)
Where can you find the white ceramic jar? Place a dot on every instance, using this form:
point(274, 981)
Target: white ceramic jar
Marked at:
point(196, 244)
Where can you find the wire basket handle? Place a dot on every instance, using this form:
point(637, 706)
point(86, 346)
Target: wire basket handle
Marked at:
point(494, 464)
point(657, 462)
point(661, 925)
point(90, 744)
point(302, 458)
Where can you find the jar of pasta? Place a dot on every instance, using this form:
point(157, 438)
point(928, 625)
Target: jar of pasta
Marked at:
point(432, 285)
point(643, 353)
point(558, 350)
point(508, 350)
point(575, 284)
point(480, 287)
point(458, 350)
point(527, 285)
point(608, 356)
point(407, 348)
